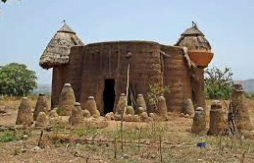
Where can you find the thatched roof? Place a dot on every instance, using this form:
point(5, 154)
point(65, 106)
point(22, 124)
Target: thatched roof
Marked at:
point(58, 50)
point(194, 39)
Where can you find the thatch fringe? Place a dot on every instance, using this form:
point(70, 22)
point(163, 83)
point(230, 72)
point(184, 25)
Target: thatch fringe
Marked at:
point(58, 50)
point(194, 39)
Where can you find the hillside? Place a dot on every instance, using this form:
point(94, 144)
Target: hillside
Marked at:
point(248, 85)
point(43, 88)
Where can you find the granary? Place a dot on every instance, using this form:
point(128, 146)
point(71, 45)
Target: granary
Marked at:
point(100, 69)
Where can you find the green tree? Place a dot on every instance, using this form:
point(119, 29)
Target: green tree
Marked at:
point(218, 83)
point(17, 80)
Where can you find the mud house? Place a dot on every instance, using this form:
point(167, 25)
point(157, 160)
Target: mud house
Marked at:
point(99, 69)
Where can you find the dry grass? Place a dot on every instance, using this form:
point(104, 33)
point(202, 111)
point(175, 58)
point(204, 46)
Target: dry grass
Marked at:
point(141, 143)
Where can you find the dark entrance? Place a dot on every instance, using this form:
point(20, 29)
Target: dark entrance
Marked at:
point(109, 95)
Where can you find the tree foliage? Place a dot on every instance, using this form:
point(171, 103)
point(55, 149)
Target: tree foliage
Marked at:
point(16, 79)
point(218, 83)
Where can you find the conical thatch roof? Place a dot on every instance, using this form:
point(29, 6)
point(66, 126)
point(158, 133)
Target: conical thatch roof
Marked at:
point(194, 39)
point(58, 50)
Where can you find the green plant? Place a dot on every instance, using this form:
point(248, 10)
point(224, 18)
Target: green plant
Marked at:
point(8, 136)
point(218, 83)
point(17, 80)
point(154, 92)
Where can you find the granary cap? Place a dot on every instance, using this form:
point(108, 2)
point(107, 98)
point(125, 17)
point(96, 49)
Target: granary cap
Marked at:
point(194, 39)
point(199, 49)
point(58, 50)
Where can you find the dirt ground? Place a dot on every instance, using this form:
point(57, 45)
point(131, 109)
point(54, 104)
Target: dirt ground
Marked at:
point(142, 142)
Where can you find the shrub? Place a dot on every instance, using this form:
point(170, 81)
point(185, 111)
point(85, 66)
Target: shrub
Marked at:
point(218, 83)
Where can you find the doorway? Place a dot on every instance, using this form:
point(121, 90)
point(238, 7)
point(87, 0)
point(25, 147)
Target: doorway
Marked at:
point(109, 95)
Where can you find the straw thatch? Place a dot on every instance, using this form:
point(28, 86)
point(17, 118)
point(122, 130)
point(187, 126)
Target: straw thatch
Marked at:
point(240, 109)
point(25, 116)
point(194, 39)
point(76, 117)
point(41, 105)
point(92, 107)
point(199, 122)
point(218, 119)
point(66, 100)
point(42, 120)
point(58, 50)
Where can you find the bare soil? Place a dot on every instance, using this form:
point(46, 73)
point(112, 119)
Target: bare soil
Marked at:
point(141, 142)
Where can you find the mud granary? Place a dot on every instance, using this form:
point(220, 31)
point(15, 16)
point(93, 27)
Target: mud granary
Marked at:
point(100, 69)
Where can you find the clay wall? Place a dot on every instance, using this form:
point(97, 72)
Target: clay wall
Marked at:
point(108, 61)
point(177, 77)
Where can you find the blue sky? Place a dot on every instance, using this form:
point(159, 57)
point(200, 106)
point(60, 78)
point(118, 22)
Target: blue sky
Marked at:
point(27, 26)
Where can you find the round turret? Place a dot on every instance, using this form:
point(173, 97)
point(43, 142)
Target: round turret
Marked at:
point(58, 50)
point(199, 49)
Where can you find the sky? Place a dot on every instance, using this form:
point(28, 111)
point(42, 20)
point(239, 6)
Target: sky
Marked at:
point(26, 27)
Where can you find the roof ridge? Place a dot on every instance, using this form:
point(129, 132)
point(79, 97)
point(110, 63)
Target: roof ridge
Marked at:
point(193, 30)
point(66, 28)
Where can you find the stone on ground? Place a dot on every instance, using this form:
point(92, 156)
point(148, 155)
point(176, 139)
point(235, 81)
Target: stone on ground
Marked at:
point(162, 106)
point(25, 116)
point(141, 102)
point(144, 117)
point(140, 110)
point(136, 118)
point(130, 110)
point(121, 105)
point(76, 117)
point(42, 120)
point(188, 107)
point(92, 107)
point(199, 122)
point(41, 105)
point(53, 113)
point(86, 113)
point(66, 100)
point(218, 119)
point(240, 108)
point(128, 117)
